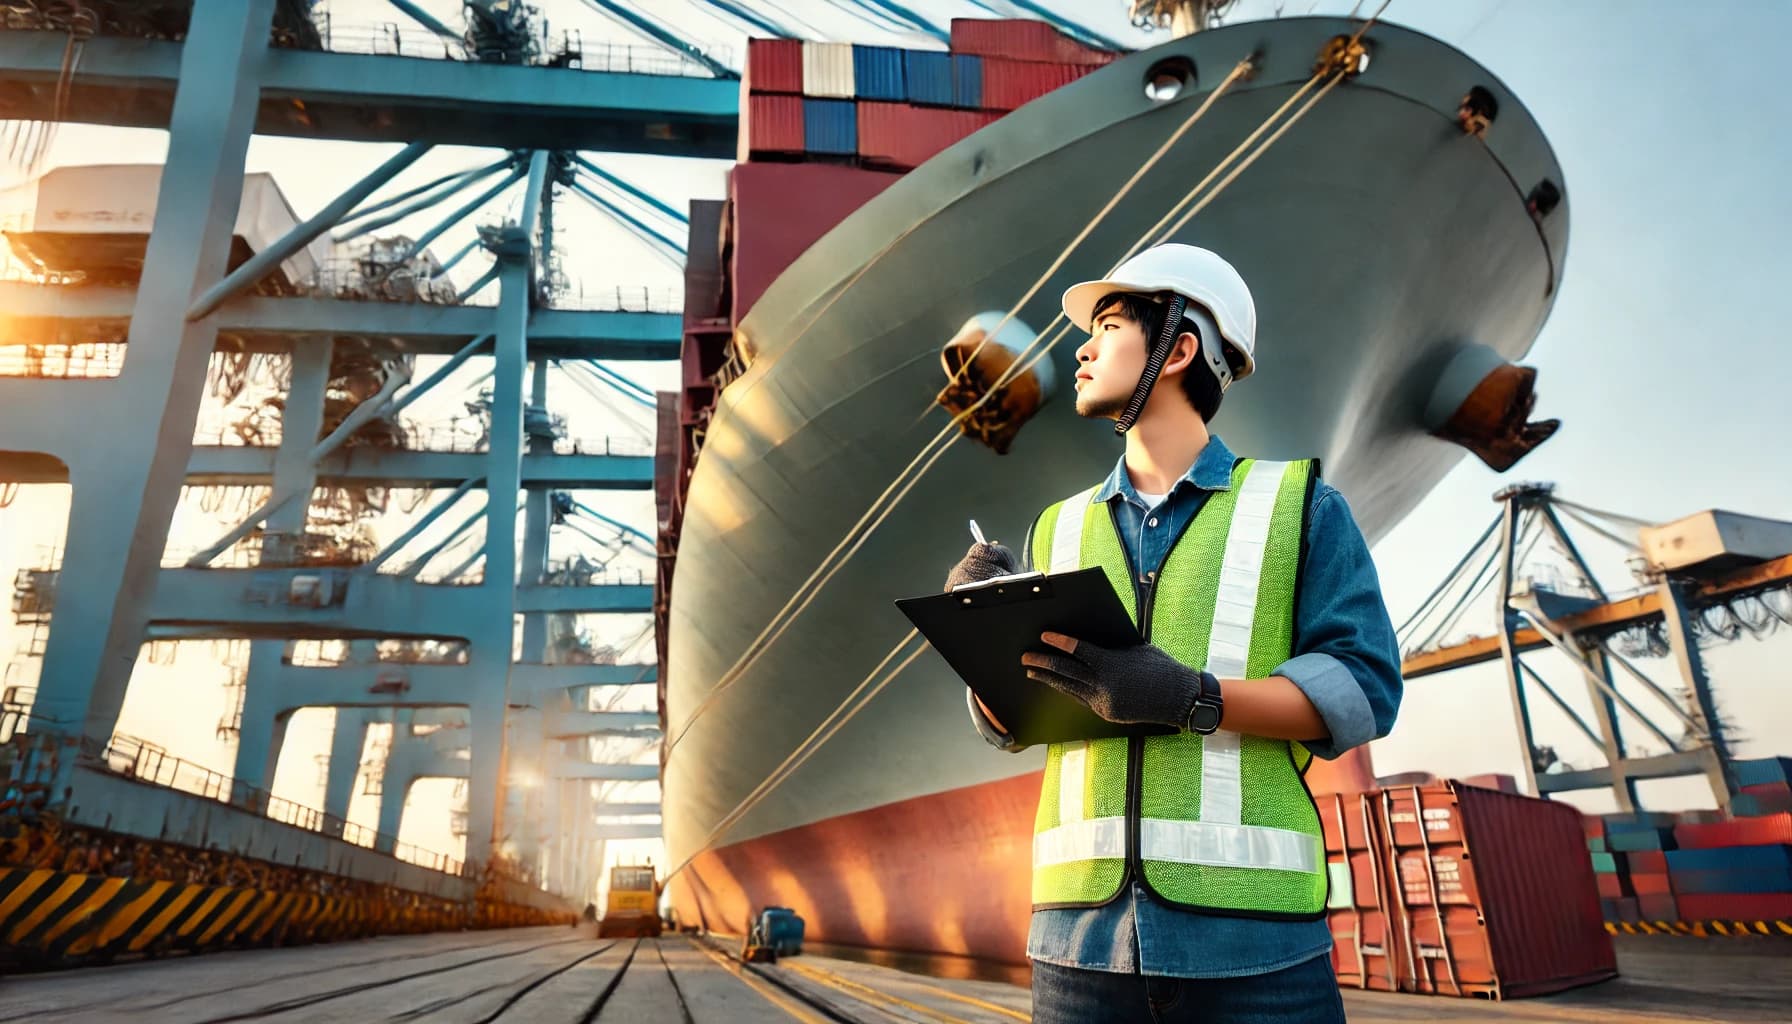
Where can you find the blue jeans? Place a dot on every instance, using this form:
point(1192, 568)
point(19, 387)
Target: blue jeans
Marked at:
point(1306, 993)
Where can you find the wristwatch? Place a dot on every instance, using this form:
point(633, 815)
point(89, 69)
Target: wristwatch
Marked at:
point(1204, 717)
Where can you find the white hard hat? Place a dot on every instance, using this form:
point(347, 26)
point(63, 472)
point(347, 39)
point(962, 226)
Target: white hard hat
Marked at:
point(1190, 271)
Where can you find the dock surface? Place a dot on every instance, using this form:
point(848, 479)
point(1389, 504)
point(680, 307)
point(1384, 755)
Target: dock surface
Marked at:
point(553, 975)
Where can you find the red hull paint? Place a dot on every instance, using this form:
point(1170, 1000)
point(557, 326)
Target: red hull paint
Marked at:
point(943, 873)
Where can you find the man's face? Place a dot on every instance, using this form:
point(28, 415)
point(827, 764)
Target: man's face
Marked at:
point(1109, 365)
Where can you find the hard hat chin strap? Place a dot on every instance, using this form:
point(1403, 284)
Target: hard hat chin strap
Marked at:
point(1154, 364)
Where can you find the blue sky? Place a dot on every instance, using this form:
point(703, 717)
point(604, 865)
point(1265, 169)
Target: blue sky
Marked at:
point(1664, 356)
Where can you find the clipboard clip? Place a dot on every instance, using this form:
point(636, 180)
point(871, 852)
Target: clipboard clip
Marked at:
point(1000, 590)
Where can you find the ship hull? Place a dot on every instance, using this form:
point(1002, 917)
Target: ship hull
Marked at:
point(1378, 240)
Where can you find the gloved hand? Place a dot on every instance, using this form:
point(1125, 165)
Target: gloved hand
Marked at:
point(982, 562)
point(1139, 684)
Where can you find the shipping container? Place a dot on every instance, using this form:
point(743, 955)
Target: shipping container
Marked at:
point(1769, 830)
point(774, 125)
point(927, 77)
point(827, 70)
point(1735, 906)
point(903, 137)
point(1640, 839)
point(1760, 805)
point(1493, 780)
point(830, 127)
point(1734, 858)
point(774, 66)
point(1023, 39)
point(1760, 771)
point(1651, 883)
point(1496, 892)
point(967, 81)
point(1365, 947)
point(1654, 861)
point(1011, 84)
point(877, 73)
point(779, 210)
point(1734, 880)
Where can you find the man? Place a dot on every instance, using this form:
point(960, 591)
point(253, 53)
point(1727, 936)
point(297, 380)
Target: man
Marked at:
point(1182, 877)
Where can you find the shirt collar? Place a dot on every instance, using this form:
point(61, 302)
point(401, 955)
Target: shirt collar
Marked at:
point(1212, 471)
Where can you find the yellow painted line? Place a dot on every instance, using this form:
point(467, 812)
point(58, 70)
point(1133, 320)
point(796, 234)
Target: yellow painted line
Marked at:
point(771, 995)
point(23, 891)
point(90, 906)
point(227, 915)
point(168, 916)
point(251, 916)
point(199, 913)
point(70, 884)
point(835, 981)
point(121, 920)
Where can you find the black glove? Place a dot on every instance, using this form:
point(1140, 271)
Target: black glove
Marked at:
point(982, 562)
point(1139, 684)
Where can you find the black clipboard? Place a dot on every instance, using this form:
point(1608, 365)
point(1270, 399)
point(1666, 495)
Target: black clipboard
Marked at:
point(983, 630)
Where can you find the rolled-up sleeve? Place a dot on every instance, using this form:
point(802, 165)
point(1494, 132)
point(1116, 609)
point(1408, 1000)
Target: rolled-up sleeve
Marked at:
point(1346, 657)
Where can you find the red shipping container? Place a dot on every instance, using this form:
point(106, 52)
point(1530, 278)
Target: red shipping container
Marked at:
point(1611, 887)
point(1769, 789)
point(1653, 862)
point(1493, 780)
point(1358, 814)
point(903, 137)
point(1022, 39)
point(1627, 911)
point(1650, 884)
point(1009, 84)
point(1754, 906)
point(1657, 908)
point(774, 65)
point(776, 211)
point(1768, 830)
point(1496, 891)
point(1365, 949)
point(1592, 826)
point(774, 125)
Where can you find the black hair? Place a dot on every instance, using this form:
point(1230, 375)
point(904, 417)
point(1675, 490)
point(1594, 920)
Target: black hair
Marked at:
point(1199, 385)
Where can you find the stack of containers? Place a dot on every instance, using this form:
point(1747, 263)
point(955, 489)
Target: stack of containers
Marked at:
point(893, 109)
point(1452, 889)
point(1699, 866)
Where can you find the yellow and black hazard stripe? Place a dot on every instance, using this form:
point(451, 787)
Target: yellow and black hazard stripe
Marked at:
point(56, 917)
point(1701, 929)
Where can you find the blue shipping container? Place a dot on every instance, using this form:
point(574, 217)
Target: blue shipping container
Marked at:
point(967, 81)
point(1763, 771)
point(1752, 882)
point(928, 77)
point(830, 126)
point(1605, 864)
point(1646, 839)
point(1732, 858)
point(877, 73)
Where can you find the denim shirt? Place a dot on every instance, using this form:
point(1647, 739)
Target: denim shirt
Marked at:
point(1347, 663)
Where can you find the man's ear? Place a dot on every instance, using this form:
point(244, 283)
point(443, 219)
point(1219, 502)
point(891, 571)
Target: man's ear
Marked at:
point(1183, 354)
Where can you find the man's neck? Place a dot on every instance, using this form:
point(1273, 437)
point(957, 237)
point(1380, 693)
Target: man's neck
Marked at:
point(1167, 439)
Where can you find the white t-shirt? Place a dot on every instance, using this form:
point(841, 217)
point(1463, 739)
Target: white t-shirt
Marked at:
point(1151, 500)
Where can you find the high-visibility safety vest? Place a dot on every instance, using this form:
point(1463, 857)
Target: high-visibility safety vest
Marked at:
point(1221, 823)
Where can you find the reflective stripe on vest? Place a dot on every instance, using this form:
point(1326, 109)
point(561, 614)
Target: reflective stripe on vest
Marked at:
point(1239, 536)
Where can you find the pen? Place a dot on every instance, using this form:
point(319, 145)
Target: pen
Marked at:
point(977, 534)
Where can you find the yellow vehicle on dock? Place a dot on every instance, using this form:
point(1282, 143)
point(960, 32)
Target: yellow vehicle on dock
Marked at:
point(632, 907)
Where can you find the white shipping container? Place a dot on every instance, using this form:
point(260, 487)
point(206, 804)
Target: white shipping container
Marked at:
point(120, 199)
point(827, 70)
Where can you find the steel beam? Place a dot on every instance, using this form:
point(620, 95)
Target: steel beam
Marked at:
point(527, 679)
point(606, 772)
point(572, 725)
point(368, 98)
point(237, 465)
point(1660, 766)
point(628, 830)
point(128, 474)
point(615, 597)
point(610, 810)
point(260, 323)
